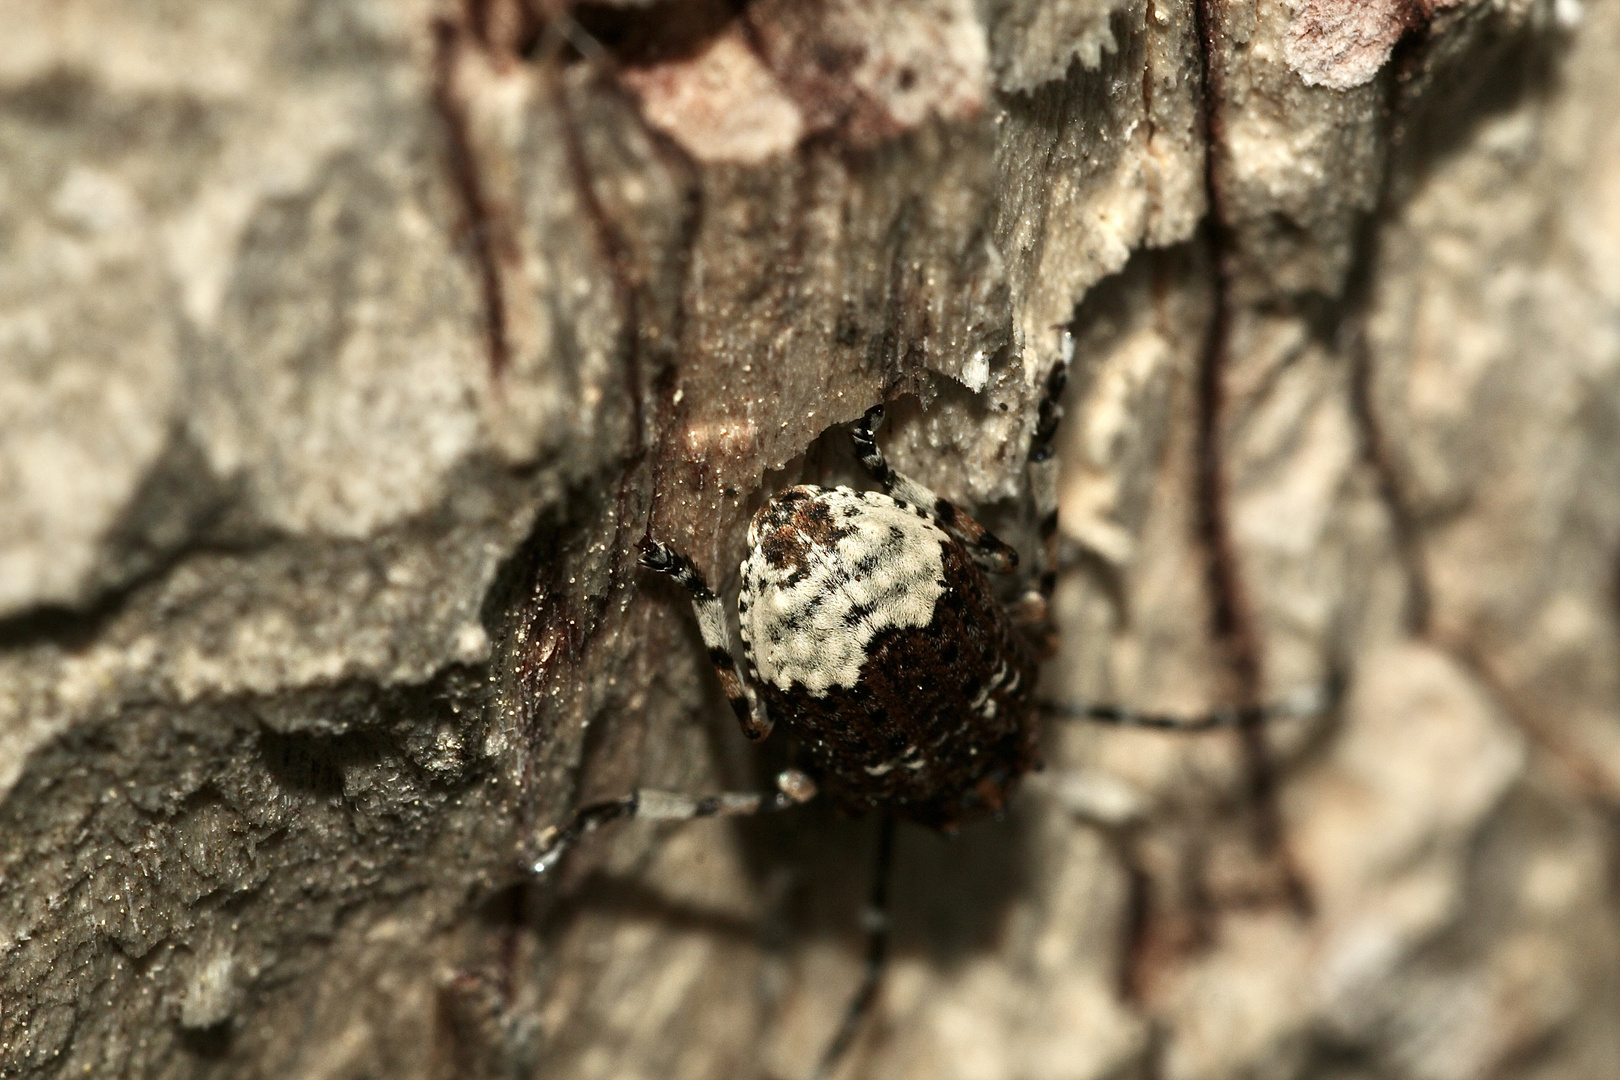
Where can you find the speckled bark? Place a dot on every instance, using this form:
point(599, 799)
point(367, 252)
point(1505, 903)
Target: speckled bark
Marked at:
point(347, 347)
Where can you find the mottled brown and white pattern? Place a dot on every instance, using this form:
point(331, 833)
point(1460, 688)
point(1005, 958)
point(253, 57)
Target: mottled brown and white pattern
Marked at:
point(826, 571)
point(880, 642)
point(871, 631)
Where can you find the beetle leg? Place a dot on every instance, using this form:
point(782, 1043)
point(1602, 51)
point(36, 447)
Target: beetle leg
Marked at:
point(1299, 705)
point(1043, 477)
point(793, 788)
point(985, 547)
point(711, 616)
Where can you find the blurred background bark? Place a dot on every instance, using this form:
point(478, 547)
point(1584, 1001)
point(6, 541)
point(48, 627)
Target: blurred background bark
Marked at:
point(349, 345)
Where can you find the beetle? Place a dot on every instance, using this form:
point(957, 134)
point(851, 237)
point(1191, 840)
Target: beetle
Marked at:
point(870, 628)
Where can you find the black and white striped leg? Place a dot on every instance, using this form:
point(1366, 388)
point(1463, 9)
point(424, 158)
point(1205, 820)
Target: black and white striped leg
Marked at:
point(1051, 408)
point(793, 788)
point(1043, 478)
point(985, 547)
point(1300, 705)
point(711, 617)
point(876, 920)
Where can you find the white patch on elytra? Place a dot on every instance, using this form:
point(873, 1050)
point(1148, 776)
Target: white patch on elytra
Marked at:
point(800, 632)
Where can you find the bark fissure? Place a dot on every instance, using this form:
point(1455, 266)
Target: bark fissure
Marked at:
point(1584, 774)
point(1231, 615)
point(1352, 341)
point(1387, 480)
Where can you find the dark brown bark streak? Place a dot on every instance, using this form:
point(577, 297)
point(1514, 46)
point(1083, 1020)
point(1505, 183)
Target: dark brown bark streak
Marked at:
point(640, 480)
point(1231, 619)
point(1147, 79)
point(1352, 340)
point(611, 249)
point(614, 252)
point(479, 223)
point(646, 433)
point(1376, 452)
point(1585, 775)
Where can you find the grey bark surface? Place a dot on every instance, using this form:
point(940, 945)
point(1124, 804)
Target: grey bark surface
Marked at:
point(347, 348)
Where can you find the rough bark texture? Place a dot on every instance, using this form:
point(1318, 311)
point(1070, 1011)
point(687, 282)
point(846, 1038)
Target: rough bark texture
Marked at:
point(349, 345)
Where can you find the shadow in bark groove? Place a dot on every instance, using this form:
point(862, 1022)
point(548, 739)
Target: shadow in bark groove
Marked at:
point(635, 899)
point(312, 765)
point(1437, 104)
point(1231, 614)
point(1431, 114)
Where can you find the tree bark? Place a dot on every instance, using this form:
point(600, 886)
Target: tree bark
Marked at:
point(349, 347)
